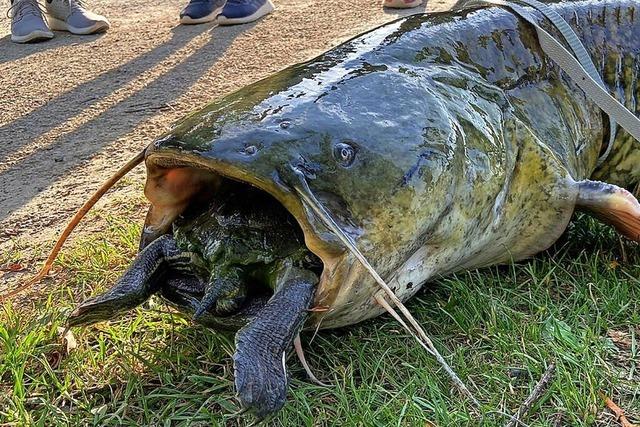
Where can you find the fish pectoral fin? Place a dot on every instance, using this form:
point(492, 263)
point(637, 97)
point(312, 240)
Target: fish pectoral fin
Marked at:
point(613, 205)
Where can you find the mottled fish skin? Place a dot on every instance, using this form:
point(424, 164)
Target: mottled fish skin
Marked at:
point(439, 142)
point(611, 31)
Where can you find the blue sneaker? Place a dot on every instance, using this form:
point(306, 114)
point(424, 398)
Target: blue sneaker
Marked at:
point(73, 16)
point(28, 22)
point(244, 11)
point(201, 11)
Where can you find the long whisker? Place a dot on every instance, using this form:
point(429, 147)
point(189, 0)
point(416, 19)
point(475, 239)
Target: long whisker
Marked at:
point(297, 345)
point(418, 333)
point(380, 299)
point(74, 222)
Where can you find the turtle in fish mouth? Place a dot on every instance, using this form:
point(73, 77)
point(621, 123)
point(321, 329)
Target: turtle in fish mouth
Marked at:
point(434, 144)
point(237, 261)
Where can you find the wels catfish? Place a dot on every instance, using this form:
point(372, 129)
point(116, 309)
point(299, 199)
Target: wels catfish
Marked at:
point(436, 143)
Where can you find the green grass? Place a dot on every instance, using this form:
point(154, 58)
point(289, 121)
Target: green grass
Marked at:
point(498, 328)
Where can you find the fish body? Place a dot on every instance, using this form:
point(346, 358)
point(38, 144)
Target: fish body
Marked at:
point(437, 142)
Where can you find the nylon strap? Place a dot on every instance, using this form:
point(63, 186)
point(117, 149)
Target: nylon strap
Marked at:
point(579, 68)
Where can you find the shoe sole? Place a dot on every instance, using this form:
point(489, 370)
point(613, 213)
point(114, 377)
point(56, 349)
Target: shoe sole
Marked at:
point(58, 25)
point(400, 4)
point(187, 20)
point(265, 9)
point(38, 35)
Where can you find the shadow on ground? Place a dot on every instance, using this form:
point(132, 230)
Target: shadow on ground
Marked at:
point(90, 138)
point(60, 39)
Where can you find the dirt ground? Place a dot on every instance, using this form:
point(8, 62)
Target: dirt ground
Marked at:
point(74, 109)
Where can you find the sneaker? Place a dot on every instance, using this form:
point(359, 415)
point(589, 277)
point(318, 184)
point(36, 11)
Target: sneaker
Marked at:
point(201, 11)
point(401, 4)
point(27, 22)
point(72, 16)
point(244, 11)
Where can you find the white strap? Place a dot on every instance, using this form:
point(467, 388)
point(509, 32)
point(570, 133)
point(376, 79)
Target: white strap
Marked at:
point(589, 81)
point(581, 55)
point(569, 35)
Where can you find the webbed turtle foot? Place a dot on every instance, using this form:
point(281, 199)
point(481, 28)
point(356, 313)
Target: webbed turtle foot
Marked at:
point(261, 346)
point(223, 295)
point(135, 286)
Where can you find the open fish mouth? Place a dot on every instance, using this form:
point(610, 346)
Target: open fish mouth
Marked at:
point(177, 182)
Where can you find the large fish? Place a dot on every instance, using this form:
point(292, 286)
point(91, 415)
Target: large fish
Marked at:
point(439, 142)
point(436, 143)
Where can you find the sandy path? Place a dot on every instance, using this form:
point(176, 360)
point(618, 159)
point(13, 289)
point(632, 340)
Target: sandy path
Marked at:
point(75, 108)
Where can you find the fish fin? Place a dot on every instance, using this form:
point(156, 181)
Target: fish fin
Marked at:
point(613, 205)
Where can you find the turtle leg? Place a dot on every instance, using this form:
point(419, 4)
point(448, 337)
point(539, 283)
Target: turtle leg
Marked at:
point(224, 294)
point(136, 285)
point(261, 346)
point(183, 292)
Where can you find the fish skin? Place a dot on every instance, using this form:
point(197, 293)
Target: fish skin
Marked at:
point(468, 143)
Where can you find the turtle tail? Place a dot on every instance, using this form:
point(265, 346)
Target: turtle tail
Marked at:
point(74, 222)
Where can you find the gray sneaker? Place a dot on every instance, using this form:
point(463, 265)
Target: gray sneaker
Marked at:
point(27, 22)
point(71, 15)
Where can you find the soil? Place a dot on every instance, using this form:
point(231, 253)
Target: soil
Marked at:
point(75, 108)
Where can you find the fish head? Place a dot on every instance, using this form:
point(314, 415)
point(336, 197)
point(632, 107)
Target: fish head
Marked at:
point(366, 143)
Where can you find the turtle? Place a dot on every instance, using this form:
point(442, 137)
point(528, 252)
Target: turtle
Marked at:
point(226, 263)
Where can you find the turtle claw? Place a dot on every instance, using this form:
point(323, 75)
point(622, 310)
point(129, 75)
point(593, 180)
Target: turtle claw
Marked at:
point(223, 296)
point(124, 296)
point(261, 384)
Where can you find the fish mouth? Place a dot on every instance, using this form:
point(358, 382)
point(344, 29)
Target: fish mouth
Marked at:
point(177, 180)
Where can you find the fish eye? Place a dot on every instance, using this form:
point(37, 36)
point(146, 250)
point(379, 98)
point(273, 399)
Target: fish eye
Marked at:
point(250, 150)
point(344, 154)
